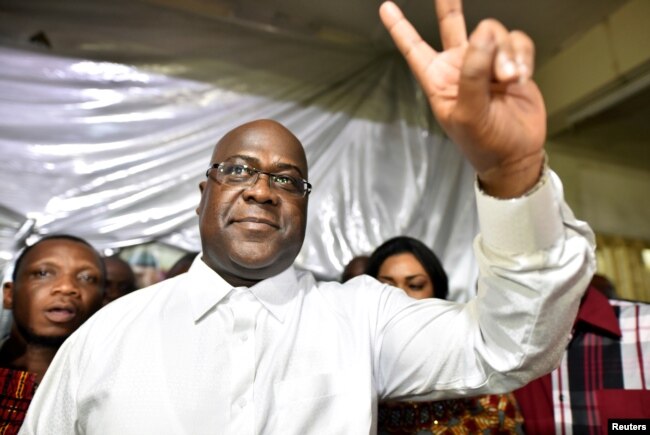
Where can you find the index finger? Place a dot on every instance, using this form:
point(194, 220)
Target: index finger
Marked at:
point(451, 22)
point(407, 39)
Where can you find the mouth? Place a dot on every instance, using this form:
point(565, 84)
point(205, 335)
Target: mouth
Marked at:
point(61, 313)
point(256, 223)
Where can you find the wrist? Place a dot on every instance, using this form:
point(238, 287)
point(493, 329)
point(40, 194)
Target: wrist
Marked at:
point(515, 179)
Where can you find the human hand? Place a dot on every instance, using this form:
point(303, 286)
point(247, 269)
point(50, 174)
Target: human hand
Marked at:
point(481, 92)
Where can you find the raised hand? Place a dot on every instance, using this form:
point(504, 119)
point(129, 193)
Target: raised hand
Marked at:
point(481, 92)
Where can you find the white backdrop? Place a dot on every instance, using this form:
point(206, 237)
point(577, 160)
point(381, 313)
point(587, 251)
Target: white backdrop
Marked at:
point(107, 134)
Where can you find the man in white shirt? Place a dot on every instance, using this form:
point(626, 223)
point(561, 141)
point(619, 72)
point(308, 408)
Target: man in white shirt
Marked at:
point(245, 344)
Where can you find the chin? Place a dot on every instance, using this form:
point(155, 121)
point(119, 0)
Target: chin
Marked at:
point(253, 264)
point(51, 340)
point(262, 266)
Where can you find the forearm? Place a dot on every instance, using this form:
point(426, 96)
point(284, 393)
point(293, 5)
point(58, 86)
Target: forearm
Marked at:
point(534, 247)
point(535, 261)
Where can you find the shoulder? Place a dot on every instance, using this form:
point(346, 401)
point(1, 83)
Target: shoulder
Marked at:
point(148, 298)
point(631, 308)
point(362, 294)
point(362, 287)
point(141, 307)
point(631, 313)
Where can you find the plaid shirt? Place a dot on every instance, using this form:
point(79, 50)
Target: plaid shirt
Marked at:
point(17, 388)
point(605, 372)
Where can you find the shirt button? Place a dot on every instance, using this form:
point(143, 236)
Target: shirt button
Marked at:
point(244, 337)
point(242, 403)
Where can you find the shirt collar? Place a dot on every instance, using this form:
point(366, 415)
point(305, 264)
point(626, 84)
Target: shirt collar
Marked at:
point(207, 288)
point(596, 311)
point(276, 292)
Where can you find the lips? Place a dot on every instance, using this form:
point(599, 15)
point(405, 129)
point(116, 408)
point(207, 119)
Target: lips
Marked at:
point(61, 313)
point(253, 222)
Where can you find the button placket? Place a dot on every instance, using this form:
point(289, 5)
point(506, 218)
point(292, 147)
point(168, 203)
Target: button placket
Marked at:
point(245, 310)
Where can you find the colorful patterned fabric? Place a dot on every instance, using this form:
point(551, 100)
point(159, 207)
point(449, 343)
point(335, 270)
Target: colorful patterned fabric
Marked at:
point(490, 414)
point(16, 391)
point(605, 372)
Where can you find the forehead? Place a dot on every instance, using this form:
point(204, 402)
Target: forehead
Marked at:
point(265, 141)
point(114, 265)
point(404, 262)
point(60, 250)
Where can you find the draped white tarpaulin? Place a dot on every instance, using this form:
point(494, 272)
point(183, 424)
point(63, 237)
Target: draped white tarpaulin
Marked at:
point(107, 134)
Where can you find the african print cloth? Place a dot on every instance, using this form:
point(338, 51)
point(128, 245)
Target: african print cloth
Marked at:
point(490, 414)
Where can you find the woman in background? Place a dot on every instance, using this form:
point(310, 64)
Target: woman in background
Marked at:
point(407, 263)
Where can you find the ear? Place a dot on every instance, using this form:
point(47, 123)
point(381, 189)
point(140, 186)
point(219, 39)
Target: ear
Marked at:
point(8, 295)
point(202, 189)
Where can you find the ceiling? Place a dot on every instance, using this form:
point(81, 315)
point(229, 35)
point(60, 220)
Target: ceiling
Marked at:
point(619, 134)
point(551, 23)
point(554, 25)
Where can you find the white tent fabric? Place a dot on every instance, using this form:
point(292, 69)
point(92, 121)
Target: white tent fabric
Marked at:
point(107, 134)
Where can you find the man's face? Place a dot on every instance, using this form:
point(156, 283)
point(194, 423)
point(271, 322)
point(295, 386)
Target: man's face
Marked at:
point(120, 279)
point(57, 288)
point(251, 233)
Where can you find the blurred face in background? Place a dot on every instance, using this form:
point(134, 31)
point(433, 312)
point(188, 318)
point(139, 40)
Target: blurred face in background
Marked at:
point(356, 266)
point(120, 279)
point(406, 272)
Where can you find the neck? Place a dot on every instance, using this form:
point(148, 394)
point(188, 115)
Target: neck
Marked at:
point(237, 281)
point(235, 275)
point(18, 354)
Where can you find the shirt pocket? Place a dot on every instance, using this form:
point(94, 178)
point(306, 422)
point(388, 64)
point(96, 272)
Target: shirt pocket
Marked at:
point(310, 388)
point(318, 404)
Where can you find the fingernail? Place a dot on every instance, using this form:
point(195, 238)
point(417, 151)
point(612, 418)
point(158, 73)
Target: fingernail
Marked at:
point(508, 66)
point(482, 39)
point(524, 73)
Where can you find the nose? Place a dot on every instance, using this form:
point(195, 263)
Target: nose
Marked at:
point(261, 191)
point(65, 284)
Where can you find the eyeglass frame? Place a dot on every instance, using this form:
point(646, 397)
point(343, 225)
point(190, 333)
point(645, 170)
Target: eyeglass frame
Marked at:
point(306, 184)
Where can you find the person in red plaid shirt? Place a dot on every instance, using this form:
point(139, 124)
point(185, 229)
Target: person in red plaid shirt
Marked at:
point(604, 374)
point(57, 284)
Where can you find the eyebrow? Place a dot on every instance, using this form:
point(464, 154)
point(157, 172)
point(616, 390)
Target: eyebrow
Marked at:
point(408, 277)
point(256, 162)
point(83, 265)
point(417, 275)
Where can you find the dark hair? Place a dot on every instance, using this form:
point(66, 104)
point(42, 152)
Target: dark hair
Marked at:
point(181, 265)
point(426, 257)
point(102, 266)
point(131, 286)
point(603, 285)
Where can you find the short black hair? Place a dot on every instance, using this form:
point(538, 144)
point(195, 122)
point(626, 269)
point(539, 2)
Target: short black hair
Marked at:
point(426, 257)
point(132, 280)
point(182, 264)
point(71, 238)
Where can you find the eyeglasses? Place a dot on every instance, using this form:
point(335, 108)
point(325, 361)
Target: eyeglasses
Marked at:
point(236, 175)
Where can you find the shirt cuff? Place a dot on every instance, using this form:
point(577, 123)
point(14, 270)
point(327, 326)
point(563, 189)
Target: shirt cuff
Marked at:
point(525, 224)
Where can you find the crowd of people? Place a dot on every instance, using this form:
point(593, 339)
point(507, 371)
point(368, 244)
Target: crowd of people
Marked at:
point(241, 341)
point(60, 281)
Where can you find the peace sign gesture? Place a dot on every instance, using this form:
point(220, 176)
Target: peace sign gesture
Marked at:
point(481, 93)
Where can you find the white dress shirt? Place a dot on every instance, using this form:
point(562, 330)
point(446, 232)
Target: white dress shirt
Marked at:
point(290, 355)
